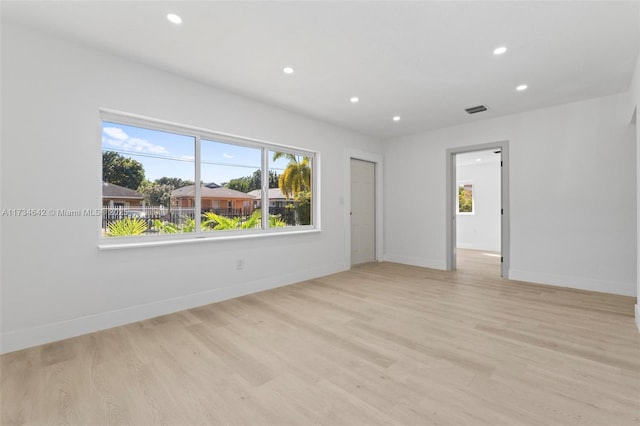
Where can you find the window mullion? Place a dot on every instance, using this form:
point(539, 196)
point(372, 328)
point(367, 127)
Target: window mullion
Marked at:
point(265, 188)
point(197, 205)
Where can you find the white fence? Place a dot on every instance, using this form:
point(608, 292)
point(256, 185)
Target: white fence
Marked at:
point(146, 213)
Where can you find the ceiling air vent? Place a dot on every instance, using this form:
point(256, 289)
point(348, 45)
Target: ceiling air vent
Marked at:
point(476, 109)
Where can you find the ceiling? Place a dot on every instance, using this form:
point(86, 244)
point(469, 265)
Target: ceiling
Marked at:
point(478, 157)
point(425, 61)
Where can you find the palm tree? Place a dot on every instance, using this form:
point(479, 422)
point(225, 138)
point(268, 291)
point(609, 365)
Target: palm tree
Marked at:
point(296, 177)
point(127, 226)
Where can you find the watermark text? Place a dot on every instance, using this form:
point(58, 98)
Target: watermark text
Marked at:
point(50, 212)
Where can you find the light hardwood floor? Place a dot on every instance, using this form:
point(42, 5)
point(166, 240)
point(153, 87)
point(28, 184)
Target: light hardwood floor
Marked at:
point(380, 344)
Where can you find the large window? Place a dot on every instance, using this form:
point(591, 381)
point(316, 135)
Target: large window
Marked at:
point(165, 181)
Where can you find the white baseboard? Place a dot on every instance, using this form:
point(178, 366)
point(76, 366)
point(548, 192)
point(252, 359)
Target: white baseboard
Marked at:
point(46, 333)
point(581, 283)
point(415, 261)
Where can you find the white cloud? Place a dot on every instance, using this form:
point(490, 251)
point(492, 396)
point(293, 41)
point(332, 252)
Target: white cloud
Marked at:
point(227, 156)
point(115, 137)
point(115, 133)
point(142, 145)
point(111, 142)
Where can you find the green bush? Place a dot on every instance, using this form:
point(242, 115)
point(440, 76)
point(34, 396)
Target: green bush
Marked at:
point(127, 226)
point(303, 201)
point(218, 222)
point(164, 227)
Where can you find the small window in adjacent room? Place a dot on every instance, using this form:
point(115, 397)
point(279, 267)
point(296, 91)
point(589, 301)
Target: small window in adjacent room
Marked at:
point(465, 198)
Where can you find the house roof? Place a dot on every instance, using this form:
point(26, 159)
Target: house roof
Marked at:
point(111, 190)
point(221, 192)
point(274, 194)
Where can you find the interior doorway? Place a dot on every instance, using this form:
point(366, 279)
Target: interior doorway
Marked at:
point(479, 228)
point(363, 211)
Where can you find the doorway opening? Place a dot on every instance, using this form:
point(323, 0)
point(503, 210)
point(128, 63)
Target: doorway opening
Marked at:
point(477, 207)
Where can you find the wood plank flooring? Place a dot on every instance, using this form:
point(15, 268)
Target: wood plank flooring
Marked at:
point(380, 344)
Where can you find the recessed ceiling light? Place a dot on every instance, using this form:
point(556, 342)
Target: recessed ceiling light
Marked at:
point(396, 118)
point(500, 50)
point(172, 17)
point(287, 70)
point(478, 159)
point(521, 87)
point(354, 99)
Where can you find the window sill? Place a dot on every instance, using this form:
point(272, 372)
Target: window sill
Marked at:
point(120, 244)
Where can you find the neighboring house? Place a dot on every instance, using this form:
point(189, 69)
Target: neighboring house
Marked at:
point(118, 196)
point(214, 198)
point(276, 198)
point(277, 204)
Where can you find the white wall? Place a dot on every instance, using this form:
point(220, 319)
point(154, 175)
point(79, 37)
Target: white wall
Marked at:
point(55, 281)
point(572, 194)
point(633, 111)
point(480, 230)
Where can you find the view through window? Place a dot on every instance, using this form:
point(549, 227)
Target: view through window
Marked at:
point(149, 183)
point(465, 198)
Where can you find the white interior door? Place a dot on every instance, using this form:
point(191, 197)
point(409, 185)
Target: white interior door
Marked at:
point(363, 212)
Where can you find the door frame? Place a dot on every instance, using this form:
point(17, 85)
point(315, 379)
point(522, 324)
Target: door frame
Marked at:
point(346, 202)
point(503, 146)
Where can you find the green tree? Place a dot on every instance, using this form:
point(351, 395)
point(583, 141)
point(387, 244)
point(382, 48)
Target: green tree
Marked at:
point(120, 170)
point(296, 177)
point(173, 182)
point(465, 199)
point(250, 183)
point(273, 179)
point(238, 184)
point(156, 194)
point(303, 204)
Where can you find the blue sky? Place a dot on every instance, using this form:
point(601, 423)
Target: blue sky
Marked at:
point(172, 155)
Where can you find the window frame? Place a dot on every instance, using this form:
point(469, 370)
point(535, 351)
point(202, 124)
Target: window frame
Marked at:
point(198, 133)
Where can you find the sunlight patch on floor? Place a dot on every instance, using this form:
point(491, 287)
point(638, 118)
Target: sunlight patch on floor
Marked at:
point(492, 254)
